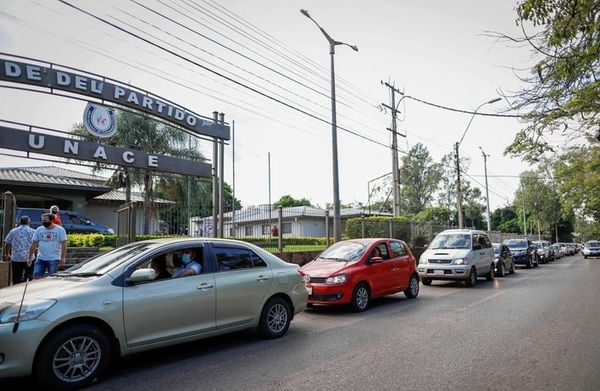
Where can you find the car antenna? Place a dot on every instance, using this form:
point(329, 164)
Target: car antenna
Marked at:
point(16, 325)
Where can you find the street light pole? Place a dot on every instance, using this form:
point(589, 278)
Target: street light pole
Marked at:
point(456, 146)
point(487, 194)
point(337, 221)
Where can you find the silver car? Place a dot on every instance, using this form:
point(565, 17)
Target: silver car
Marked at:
point(65, 330)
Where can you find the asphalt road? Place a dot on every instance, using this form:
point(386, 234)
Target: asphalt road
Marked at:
point(538, 329)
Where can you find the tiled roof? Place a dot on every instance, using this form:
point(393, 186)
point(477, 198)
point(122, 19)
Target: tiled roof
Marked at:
point(119, 195)
point(44, 176)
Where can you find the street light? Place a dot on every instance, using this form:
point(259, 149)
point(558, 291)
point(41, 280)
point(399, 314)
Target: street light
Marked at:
point(458, 189)
point(337, 221)
point(487, 194)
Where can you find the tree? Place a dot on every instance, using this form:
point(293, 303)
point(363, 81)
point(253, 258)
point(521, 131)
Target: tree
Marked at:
point(578, 177)
point(420, 178)
point(288, 201)
point(435, 215)
point(447, 187)
point(140, 131)
point(563, 92)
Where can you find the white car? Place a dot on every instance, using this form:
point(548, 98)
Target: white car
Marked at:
point(458, 254)
point(591, 249)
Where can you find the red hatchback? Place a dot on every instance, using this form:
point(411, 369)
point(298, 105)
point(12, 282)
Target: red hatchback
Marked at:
point(351, 272)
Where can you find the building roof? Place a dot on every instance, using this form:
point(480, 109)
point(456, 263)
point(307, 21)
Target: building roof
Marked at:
point(52, 177)
point(136, 197)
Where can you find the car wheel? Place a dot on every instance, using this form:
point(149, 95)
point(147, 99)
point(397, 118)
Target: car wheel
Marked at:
point(360, 298)
point(585, 257)
point(536, 261)
point(502, 269)
point(490, 276)
point(426, 281)
point(275, 318)
point(413, 287)
point(528, 263)
point(513, 268)
point(472, 280)
point(73, 357)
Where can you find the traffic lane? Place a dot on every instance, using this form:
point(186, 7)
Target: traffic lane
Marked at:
point(497, 335)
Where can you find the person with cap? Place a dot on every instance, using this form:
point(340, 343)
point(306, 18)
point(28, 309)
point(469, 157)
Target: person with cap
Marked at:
point(54, 210)
point(16, 249)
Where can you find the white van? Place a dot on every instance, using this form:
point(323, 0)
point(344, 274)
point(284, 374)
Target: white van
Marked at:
point(458, 254)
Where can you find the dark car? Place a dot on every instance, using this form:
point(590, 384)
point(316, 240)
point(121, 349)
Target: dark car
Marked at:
point(503, 260)
point(524, 252)
point(72, 222)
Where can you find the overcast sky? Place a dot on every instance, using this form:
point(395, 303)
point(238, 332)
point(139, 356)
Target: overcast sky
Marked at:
point(267, 68)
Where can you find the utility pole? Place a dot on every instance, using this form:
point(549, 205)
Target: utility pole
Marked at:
point(395, 179)
point(458, 189)
point(487, 193)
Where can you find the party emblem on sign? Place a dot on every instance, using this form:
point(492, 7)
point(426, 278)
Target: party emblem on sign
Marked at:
point(99, 120)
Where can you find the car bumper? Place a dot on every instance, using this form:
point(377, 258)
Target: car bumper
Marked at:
point(327, 294)
point(591, 253)
point(17, 349)
point(444, 272)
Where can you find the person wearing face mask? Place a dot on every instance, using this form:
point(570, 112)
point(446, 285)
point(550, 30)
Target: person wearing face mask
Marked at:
point(50, 241)
point(191, 266)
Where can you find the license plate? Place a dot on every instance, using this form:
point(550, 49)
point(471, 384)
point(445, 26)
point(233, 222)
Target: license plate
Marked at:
point(438, 272)
point(309, 289)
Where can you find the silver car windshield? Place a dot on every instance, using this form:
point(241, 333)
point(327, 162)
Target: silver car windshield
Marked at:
point(451, 241)
point(104, 263)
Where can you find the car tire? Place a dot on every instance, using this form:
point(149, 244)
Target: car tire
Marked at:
point(426, 281)
point(413, 287)
point(536, 261)
point(360, 297)
point(73, 357)
point(528, 263)
point(275, 318)
point(513, 268)
point(472, 280)
point(490, 276)
point(502, 269)
point(585, 257)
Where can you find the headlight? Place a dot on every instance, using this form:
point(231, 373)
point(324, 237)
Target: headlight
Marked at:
point(111, 231)
point(29, 311)
point(461, 261)
point(336, 280)
point(423, 261)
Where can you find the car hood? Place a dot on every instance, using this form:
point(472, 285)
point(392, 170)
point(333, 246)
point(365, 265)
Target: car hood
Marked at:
point(446, 253)
point(46, 288)
point(518, 249)
point(325, 268)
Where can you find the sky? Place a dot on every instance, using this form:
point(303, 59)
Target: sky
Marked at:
point(267, 67)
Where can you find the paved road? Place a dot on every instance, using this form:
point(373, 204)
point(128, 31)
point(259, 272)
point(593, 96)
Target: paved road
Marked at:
point(538, 329)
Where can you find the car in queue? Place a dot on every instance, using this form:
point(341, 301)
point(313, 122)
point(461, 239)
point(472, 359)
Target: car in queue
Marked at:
point(65, 330)
point(503, 259)
point(524, 251)
point(558, 253)
point(591, 248)
point(458, 254)
point(544, 253)
point(349, 273)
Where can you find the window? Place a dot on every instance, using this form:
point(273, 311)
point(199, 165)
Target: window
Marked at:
point(398, 249)
point(248, 230)
point(265, 230)
point(286, 228)
point(232, 258)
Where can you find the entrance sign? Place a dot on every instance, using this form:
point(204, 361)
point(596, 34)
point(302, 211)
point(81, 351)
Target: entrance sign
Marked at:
point(99, 120)
point(53, 78)
point(69, 148)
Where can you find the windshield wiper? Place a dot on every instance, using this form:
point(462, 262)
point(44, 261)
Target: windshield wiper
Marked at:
point(86, 274)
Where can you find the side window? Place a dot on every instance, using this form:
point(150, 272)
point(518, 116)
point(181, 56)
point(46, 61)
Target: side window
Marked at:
point(398, 249)
point(233, 258)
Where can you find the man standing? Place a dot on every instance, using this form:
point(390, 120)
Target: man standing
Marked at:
point(16, 247)
point(50, 240)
